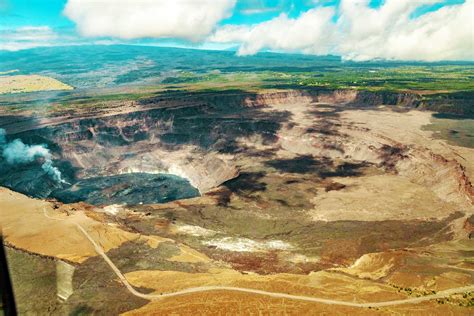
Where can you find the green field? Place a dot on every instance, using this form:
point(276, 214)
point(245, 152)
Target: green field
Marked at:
point(423, 79)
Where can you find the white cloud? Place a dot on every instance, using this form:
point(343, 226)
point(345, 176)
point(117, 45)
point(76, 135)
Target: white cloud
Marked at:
point(130, 19)
point(27, 37)
point(282, 33)
point(390, 33)
point(363, 33)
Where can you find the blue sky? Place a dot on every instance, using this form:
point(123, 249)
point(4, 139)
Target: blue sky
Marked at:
point(230, 23)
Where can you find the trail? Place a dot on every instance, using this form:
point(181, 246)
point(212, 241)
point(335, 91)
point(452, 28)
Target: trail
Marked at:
point(131, 289)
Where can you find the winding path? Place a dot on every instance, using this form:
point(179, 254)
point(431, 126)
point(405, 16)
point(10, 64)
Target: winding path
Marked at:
point(131, 289)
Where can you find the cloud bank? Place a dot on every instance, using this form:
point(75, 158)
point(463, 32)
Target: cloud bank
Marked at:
point(130, 19)
point(27, 37)
point(358, 32)
point(311, 33)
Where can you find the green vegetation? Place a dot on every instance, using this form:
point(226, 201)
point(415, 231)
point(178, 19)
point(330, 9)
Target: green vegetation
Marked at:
point(465, 299)
point(423, 79)
point(404, 78)
point(413, 291)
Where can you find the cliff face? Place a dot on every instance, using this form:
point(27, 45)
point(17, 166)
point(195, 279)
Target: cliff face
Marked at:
point(193, 103)
point(456, 103)
point(353, 98)
point(275, 98)
point(446, 178)
point(149, 141)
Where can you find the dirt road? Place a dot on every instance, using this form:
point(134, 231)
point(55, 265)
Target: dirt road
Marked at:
point(414, 300)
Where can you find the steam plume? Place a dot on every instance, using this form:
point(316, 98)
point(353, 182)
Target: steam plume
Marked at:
point(3, 140)
point(17, 152)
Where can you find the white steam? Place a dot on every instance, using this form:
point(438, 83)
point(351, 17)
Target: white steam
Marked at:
point(17, 152)
point(3, 139)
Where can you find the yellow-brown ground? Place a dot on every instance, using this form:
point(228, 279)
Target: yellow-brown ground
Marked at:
point(30, 83)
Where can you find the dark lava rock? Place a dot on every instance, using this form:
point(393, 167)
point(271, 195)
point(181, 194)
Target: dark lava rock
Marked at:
point(132, 188)
point(28, 179)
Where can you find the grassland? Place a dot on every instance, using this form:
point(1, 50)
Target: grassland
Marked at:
point(30, 83)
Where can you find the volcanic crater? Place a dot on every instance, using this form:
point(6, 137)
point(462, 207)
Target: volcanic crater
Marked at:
point(251, 185)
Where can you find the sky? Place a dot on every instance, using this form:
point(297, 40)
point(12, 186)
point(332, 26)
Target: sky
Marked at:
point(425, 30)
